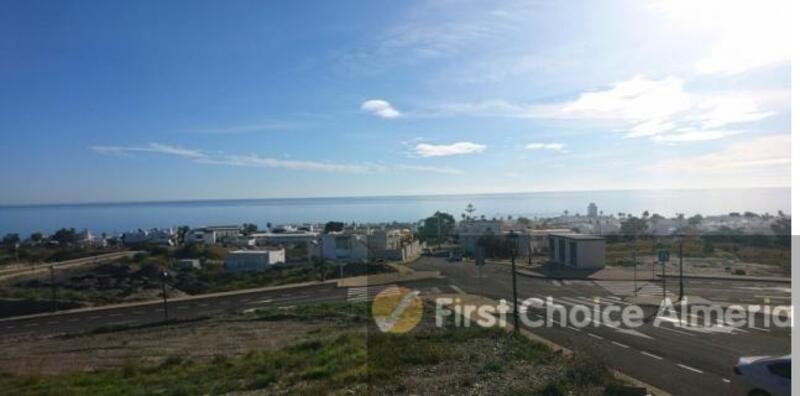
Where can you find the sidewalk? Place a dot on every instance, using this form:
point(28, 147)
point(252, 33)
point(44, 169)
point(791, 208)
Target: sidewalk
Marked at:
point(619, 274)
point(730, 277)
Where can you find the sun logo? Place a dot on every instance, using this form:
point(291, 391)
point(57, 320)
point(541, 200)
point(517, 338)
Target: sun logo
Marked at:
point(397, 309)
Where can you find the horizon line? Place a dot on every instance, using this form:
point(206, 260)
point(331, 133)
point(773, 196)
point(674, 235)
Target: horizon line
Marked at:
point(201, 200)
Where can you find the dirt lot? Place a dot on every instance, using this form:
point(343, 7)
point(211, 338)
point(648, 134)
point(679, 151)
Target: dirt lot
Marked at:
point(309, 350)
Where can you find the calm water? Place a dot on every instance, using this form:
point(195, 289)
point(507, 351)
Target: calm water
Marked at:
point(119, 217)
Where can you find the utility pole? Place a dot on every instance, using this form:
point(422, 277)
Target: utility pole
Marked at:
point(635, 280)
point(514, 239)
point(680, 265)
point(164, 275)
point(53, 287)
point(664, 279)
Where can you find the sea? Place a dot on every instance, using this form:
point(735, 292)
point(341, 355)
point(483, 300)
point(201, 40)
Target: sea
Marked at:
point(124, 216)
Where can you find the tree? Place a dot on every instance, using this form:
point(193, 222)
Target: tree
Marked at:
point(523, 220)
point(249, 228)
point(438, 227)
point(36, 237)
point(65, 236)
point(181, 232)
point(633, 226)
point(334, 226)
point(496, 246)
point(10, 241)
point(470, 210)
point(695, 220)
point(782, 227)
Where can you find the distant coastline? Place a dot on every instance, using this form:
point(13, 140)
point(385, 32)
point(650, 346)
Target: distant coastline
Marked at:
point(358, 197)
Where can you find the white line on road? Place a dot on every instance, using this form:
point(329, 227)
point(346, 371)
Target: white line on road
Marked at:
point(690, 368)
point(574, 328)
point(595, 336)
point(457, 289)
point(619, 344)
point(652, 356)
point(725, 380)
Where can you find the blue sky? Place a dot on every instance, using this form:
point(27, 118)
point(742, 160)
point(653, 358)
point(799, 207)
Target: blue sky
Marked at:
point(122, 101)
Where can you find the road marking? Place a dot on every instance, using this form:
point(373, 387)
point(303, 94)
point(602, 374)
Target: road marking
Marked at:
point(595, 336)
point(725, 380)
point(435, 290)
point(652, 356)
point(619, 344)
point(457, 289)
point(555, 283)
point(690, 368)
point(574, 328)
point(673, 330)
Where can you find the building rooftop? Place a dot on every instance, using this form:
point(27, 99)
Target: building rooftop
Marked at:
point(582, 237)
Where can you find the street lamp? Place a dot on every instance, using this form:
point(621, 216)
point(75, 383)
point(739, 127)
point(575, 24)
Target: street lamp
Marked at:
point(514, 238)
point(680, 265)
point(53, 287)
point(164, 276)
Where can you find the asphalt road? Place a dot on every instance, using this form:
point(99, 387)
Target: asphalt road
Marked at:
point(679, 359)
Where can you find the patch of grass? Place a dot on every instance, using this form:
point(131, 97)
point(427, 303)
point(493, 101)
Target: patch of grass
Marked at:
point(342, 312)
point(316, 367)
point(127, 327)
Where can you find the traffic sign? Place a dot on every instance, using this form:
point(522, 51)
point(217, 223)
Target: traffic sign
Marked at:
point(663, 256)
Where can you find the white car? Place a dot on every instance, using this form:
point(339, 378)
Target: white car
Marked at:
point(762, 376)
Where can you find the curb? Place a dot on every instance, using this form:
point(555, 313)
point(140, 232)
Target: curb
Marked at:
point(169, 300)
point(742, 278)
point(555, 347)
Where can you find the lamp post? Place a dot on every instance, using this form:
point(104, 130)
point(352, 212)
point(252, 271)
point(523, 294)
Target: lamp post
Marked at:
point(680, 265)
point(164, 276)
point(53, 287)
point(514, 238)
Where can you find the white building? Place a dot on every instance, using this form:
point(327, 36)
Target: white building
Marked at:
point(253, 260)
point(156, 236)
point(213, 234)
point(470, 231)
point(591, 210)
point(578, 251)
point(346, 247)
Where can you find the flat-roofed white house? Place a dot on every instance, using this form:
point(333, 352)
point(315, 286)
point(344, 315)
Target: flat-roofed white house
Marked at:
point(344, 247)
point(254, 260)
point(213, 234)
point(580, 251)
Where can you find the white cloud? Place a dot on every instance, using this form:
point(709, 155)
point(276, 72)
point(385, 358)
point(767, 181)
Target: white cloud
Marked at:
point(151, 148)
point(441, 150)
point(256, 161)
point(744, 35)
point(545, 146)
point(773, 151)
point(429, 169)
point(664, 111)
point(380, 108)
